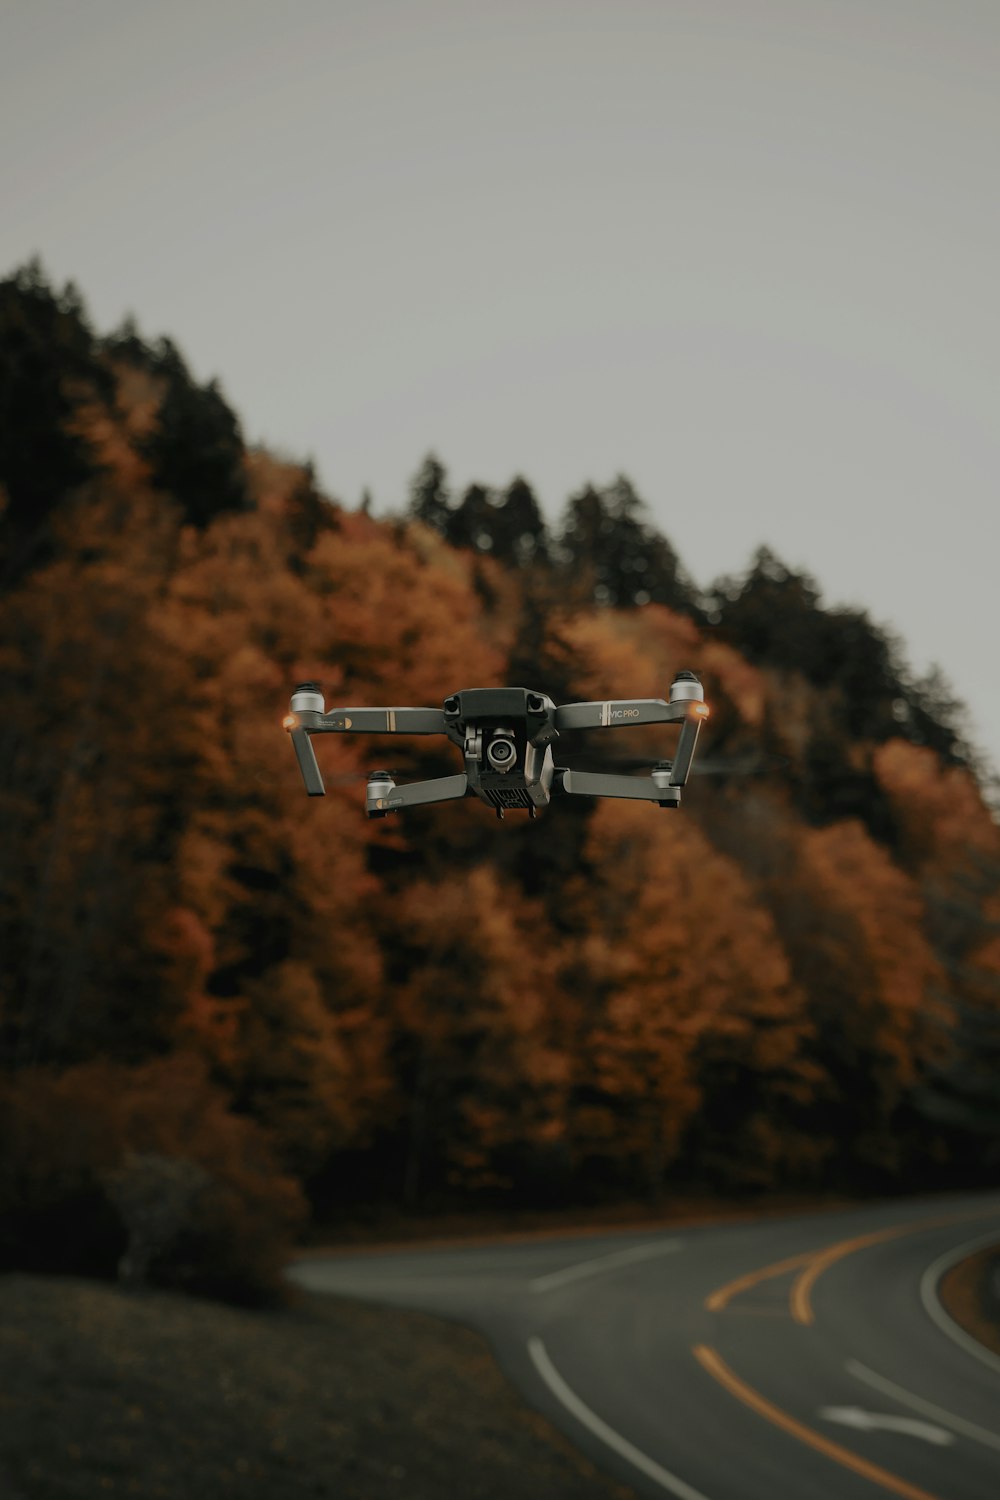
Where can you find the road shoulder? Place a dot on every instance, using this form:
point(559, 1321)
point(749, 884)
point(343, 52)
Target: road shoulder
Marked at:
point(970, 1293)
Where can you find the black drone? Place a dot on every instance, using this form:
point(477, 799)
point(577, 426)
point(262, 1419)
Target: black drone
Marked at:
point(506, 735)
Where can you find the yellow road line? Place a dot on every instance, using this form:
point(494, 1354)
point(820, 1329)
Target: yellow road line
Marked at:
point(721, 1372)
point(718, 1299)
point(800, 1295)
point(815, 1262)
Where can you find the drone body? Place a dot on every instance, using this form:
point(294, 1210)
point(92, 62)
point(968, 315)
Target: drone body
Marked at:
point(506, 736)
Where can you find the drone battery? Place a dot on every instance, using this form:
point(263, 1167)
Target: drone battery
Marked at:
point(494, 705)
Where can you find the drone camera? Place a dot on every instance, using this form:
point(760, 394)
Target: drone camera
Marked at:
point(501, 752)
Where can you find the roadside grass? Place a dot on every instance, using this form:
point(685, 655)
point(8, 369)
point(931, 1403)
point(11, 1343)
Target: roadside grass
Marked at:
point(155, 1394)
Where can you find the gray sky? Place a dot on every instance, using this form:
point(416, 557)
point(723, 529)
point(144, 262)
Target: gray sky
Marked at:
point(747, 253)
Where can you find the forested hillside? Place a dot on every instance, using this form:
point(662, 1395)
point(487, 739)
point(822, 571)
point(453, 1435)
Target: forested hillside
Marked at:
point(246, 1007)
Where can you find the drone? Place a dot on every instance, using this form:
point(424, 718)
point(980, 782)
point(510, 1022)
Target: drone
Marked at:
point(506, 735)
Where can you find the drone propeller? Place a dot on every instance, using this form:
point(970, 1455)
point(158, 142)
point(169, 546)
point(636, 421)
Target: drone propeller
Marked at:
point(719, 766)
point(357, 777)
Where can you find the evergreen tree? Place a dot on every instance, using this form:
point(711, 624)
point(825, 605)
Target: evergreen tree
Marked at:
point(608, 539)
point(47, 354)
point(470, 524)
point(430, 501)
point(507, 524)
point(196, 452)
point(774, 615)
point(518, 529)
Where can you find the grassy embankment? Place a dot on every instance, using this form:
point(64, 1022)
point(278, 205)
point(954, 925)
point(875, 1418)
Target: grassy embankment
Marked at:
point(154, 1394)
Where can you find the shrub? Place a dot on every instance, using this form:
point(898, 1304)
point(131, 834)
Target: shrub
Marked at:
point(142, 1172)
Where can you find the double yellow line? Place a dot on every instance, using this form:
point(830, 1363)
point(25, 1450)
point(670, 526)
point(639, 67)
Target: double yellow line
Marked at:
point(810, 1267)
point(814, 1263)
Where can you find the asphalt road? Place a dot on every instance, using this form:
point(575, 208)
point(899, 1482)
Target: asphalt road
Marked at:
point(805, 1358)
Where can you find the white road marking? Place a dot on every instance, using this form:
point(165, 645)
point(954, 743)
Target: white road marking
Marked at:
point(873, 1421)
point(934, 1309)
point(595, 1424)
point(926, 1408)
point(602, 1263)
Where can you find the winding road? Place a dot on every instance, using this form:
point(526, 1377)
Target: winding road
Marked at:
point(801, 1358)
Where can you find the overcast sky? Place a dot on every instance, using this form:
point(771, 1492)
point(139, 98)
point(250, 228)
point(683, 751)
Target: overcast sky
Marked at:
point(746, 253)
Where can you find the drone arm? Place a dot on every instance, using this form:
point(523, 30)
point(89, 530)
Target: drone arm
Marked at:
point(416, 794)
point(369, 721)
point(686, 698)
point(620, 714)
point(307, 717)
point(601, 784)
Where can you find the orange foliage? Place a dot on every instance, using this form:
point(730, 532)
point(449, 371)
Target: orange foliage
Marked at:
point(898, 973)
point(476, 1005)
point(940, 811)
point(631, 654)
point(692, 971)
point(395, 628)
point(744, 685)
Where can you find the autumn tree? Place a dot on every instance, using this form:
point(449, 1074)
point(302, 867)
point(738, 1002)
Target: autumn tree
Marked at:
point(854, 927)
point(195, 447)
point(479, 1063)
point(695, 1028)
point(776, 615)
point(950, 839)
point(99, 730)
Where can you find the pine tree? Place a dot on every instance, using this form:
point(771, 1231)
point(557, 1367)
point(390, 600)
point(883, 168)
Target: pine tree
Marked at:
point(429, 495)
point(48, 359)
point(608, 540)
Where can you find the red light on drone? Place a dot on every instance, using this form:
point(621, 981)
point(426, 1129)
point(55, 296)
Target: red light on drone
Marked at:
point(701, 710)
point(289, 722)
